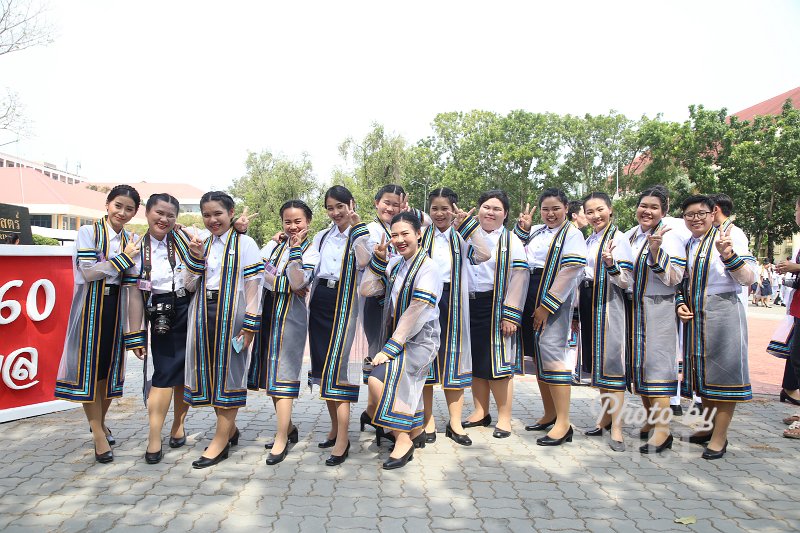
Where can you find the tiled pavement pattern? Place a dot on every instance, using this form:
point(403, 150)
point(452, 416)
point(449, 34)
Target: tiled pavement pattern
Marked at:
point(50, 482)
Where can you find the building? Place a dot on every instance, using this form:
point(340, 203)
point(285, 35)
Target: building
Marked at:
point(48, 169)
point(188, 195)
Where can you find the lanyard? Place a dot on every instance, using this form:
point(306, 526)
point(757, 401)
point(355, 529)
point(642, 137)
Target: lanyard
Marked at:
point(147, 265)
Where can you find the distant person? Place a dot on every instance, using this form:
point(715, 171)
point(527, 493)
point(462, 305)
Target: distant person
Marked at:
point(576, 215)
point(793, 269)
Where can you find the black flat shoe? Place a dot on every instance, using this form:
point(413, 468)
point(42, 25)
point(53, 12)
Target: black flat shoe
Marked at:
point(294, 437)
point(366, 420)
point(550, 441)
point(177, 443)
point(105, 457)
point(329, 443)
point(463, 440)
point(544, 426)
point(391, 464)
point(381, 433)
point(430, 438)
point(273, 459)
point(205, 462)
point(617, 445)
point(700, 439)
point(649, 448)
point(335, 460)
point(710, 454)
point(152, 458)
point(597, 432)
point(500, 433)
point(483, 422)
point(786, 398)
point(234, 440)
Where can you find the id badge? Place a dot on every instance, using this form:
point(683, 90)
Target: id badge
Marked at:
point(144, 284)
point(270, 269)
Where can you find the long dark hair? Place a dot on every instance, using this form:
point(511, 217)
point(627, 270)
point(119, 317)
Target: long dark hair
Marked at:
point(339, 193)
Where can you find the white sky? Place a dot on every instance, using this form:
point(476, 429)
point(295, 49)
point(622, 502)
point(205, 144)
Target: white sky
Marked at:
point(178, 91)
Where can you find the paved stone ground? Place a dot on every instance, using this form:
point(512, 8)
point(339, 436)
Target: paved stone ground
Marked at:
point(50, 482)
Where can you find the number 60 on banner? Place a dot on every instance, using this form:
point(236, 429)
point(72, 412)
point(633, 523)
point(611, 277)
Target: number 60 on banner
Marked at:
point(32, 308)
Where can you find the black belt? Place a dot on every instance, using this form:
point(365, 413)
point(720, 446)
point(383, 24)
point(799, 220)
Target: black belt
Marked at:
point(480, 295)
point(111, 290)
point(445, 287)
point(536, 271)
point(330, 283)
point(212, 294)
point(179, 294)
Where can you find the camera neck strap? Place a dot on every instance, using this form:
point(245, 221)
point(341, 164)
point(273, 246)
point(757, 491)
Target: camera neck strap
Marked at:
point(147, 257)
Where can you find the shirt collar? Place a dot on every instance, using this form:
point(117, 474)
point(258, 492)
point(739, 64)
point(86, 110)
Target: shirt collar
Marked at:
point(223, 238)
point(445, 233)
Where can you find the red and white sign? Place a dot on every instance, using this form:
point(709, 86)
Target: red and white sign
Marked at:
point(35, 296)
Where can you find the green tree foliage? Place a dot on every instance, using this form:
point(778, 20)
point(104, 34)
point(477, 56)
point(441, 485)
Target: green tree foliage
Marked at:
point(44, 241)
point(271, 180)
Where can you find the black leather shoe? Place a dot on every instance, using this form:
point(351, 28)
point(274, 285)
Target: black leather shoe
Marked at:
point(483, 422)
point(649, 448)
point(710, 454)
point(786, 398)
point(463, 440)
point(418, 441)
point(205, 462)
point(381, 433)
point(152, 458)
point(597, 432)
point(644, 435)
point(294, 437)
point(177, 443)
point(105, 457)
point(500, 433)
point(366, 420)
point(430, 438)
point(273, 459)
point(617, 445)
point(677, 410)
point(110, 438)
point(234, 440)
point(335, 460)
point(329, 443)
point(549, 441)
point(391, 464)
point(700, 439)
point(544, 426)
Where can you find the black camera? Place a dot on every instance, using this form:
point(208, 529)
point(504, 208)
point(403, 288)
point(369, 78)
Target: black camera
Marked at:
point(792, 283)
point(160, 314)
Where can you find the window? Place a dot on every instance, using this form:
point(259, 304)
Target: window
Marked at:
point(43, 221)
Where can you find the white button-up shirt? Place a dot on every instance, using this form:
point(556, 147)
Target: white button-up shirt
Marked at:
point(592, 247)
point(114, 249)
point(332, 253)
point(539, 244)
point(482, 275)
point(215, 260)
point(161, 274)
point(440, 252)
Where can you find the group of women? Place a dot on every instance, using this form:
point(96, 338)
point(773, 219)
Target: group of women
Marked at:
point(405, 302)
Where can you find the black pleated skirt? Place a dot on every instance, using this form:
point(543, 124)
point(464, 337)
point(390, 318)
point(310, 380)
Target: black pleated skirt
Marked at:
point(169, 350)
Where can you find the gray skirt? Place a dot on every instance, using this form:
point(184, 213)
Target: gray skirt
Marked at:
point(654, 367)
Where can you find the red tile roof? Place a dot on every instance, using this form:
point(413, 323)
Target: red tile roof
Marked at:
point(772, 106)
point(178, 190)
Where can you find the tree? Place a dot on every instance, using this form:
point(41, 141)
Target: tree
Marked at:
point(270, 181)
point(22, 26)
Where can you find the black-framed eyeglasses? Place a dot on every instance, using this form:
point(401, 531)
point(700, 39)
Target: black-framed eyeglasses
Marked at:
point(699, 215)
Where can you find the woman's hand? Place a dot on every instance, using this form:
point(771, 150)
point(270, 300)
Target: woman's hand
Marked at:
point(379, 359)
point(380, 249)
point(299, 237)
point(654, 241)
point(608, 254)
point(279, 237)
point(352, 216)
point(197, 246)
point(248, 338)
point(684, 314)
point(540, 317)
point(507, 327)
point(133, 246)
point(243, 222)
point(140, 353)
point(724, 244)
point(525, 219)
point(460, 215)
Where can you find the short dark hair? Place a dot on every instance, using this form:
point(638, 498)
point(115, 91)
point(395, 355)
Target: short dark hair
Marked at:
point(698, 199)
point(552, 192)
point(443, 192)
point(297, 204)
point(218, 196)
point(573, 208)
point(597, 195)
point(162, 197)
point(724, 202)
point(407, 216)
point(124, 190)
point(498, 194)
point(389, 189)
point(657, 192)
point(339, 193)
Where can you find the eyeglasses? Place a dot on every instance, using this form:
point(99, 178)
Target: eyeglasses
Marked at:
point(699, 215)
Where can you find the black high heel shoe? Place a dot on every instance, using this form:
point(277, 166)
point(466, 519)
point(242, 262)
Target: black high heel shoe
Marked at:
point(381, 433)
point(710, 454)
point(463, 440)
point(598, 432)
point(644, 435)
point(105, 457)
point(335, 460)
point(550, 441)
point(649, 448)
point(110, 438)
point(391, 464)
point(700, 439)
point(234, 440)
point(483, 422)
point(152, 458)
point(544, 426)
point(366, 420)
point(430, 438)
point(786, 398)
point(294, 437)
point(177, 443)
point(205, 462)
point(273, 459)
point(420, 440)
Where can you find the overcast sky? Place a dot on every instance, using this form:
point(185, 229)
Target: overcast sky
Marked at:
point(179, 91)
